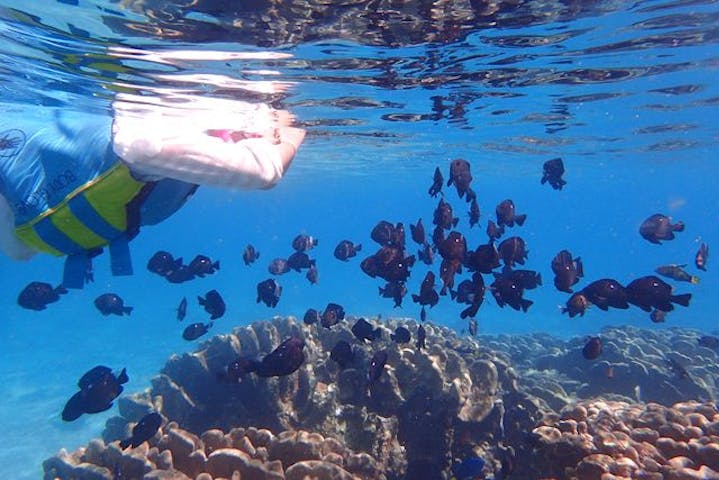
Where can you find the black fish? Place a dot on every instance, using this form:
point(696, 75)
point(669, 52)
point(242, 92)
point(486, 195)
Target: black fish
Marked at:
point(236, 370)
point(658, 227)
point(454, 247)
point(447, 271)
point(302, 243)
point(658, 316)
point(506, 291)
point(426, 254)
point(182, 309)
point(417, 232)
point(527, 279)
point(421, 337)
point(312, 316)
point(513, 250)
point(507, 215)
point(376, 365)
point(552, 172)
point(144, 430)
point(111, 303)
point(299, 260)
point(677, 272)
point(98, 389)
point(593, 348)
point(493, 231)
point(653, 292)
point(606, 293)
point(473, 213)
point(423, 314)
point(342, 353)
point(346, 249)
point(484, 259)
point(444, 216)
point(437, 182)
point(196, 330)
point(163, 263)
point(213, 303)
point(202, 265)
point(312, 274)
point(180, 275)
point(460, 175)
point(363, 330)
point(567, 271)
point(427, 293)
point(395, 290)
point(250, 255)
point(332, 315)
point(278, 266)
point(472, 326)
point(37, 295)
point(268, 292)
point(678, 369)
point(283, 360)
point(401, 335)
point(700, 260)
point(388, 235)
point(576, 305)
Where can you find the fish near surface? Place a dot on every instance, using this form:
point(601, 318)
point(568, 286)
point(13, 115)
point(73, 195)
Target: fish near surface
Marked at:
point(37, 295)
point(417, 232)
point(213, 304)
point(652, 292)
point(437, 182)
point(473, 213)
point(144, 430)
point(513, 250)
point(552, 172)
point(460, 175)
point(659, 227)
point(112, 303)
point(444, 216)
point(677, 272)
point(507, 214)
point(454, 247)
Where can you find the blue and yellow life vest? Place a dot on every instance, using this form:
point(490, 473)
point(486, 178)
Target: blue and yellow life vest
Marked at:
point(70, 193)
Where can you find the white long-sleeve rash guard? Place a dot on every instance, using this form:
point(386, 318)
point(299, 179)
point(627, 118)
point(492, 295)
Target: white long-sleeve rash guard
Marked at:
point(199, 140)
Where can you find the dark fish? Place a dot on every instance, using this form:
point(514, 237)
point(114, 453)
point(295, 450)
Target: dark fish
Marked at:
point(606, 293)
point(454, 247)
point(576, 305)
point(708, 341)
point(111, 303)
point(250, 255)
point(427, 293)
point(652, 292)
point(512, 250)
point(37, 295)
point(423, 314)
point(437, 182)
point(677, 272)
point(658, 316)
point(447, 270)
point(417, 232)
point(213, 303)
point(508, 292)
point(268, 292)
point(461, 177)
point(182, 309)
point(363, 330)
point(278, 266)
point(388, 235)
point(332, 315)
point(376, 365)
point(346, 249)
point(299, 260)
point(553, 171)
point(399, 235)
point(312, 316)
point(283, 360)
point(95, 376)
point(395, 290)
point(473, 213)
point(678, 369)
point(493, 231)
point(401, 335)
point(202, 265)
point(484, 259)
point(567, 271)
point(658, 227)
point(196, 330)
point(98, 389)
point(700, 260)
point(472, 327)
point(437, 235)
point(426, 254)
point(593, 348)
point(507, 215)
point(144, 430)
point(163, 263)
point(236, 370)
point(421, 337)
point(444, 216)
point(313, 275)
point(180, 275)
point(342, 353)
point(468, 469)
point(528, 279)
point(302, 243)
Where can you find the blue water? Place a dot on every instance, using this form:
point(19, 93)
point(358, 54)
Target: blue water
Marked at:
point(625, 93)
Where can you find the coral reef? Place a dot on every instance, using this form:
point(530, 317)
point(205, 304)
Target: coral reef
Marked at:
point(602, 440)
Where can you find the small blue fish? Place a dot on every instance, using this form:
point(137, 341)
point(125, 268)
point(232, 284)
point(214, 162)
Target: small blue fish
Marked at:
point(468, 468)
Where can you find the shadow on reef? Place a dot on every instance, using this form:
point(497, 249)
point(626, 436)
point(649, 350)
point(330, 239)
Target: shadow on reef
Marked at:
point(429, 408)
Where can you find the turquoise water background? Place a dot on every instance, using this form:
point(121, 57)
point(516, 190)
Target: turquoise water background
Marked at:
point(626, 94)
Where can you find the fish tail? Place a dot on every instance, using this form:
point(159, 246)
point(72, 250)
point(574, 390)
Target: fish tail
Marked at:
point(520, 219)
point(60, 290)
point(694, 280)
point(415, 298)
point(125, 443)
point(526, 304)
point(216, 265)
point(123, 378)
point(678, 227)
point(682, 300)
point(539, 279)
point(358, 247)
point(127, 310)
point(201, 300)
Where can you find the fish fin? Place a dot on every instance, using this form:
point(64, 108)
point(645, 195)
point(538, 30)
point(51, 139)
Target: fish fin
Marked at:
point(257, 255)
point(127, 310)
point(580, 267)
point(452, 294)
point(544, 180)
point(123, 378)
point(520, 219)
point(60, 290)
point(216, 265)
point(125, 443)
point(694, 280)
point(682, 300)
point(201, 300)
point(539, 278)
point(178, 262)
point(381, 290)
point(415, 298)
point(678, 227)
point(455, 221)
point(358, 247)
point(526, 304)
